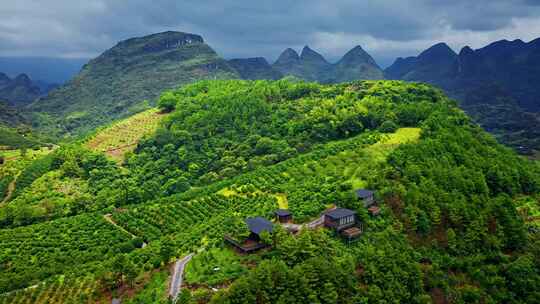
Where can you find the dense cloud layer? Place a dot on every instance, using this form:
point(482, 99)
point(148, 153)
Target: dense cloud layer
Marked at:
point(386, 28)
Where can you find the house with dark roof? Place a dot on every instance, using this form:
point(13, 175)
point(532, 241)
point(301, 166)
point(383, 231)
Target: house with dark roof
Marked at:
point(283, 215)
point(343, 221)
point(366, 196)
point(258, 225)
point(340, 218)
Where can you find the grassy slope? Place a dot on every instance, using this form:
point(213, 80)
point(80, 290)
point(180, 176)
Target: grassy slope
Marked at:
point(123, 136)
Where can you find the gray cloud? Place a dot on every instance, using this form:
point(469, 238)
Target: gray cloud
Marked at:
point(386, 28)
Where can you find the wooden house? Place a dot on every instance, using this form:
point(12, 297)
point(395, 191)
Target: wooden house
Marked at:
point(283, 215)
point(344, 222)
point(340, 219)
point(366, 196)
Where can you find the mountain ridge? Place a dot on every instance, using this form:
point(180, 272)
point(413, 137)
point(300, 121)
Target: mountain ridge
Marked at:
point(508, 69)
point(126, 79)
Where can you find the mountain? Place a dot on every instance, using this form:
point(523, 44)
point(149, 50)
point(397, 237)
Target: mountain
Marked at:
point(288, 63)
point(455, 218)
point(46, 69)
point(254, 68)
point(19, 91)
point(311, 66)
point(503, 76)
point(10, 116)
point(126, 78)
point(356, 64)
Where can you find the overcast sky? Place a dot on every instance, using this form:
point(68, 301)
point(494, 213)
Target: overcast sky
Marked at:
point(385, 28)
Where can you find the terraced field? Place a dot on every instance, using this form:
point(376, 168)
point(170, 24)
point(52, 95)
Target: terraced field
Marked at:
point(37, 252)
point(123, 136)
point(56, 290)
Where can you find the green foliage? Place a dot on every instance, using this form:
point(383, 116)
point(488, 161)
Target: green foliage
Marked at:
point(60, 184)
point(214, 267)
point(167, 102)
point(4, 184)
point(16, 139)
point(458, 211)
point(32, 172)
point(32, 253)
point(155, 291)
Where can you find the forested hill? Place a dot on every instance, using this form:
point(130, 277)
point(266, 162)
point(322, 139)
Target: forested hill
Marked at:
point(458, 218)
point(127, 79)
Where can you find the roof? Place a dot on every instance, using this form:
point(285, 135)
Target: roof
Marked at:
point(364, 193)
point(340, 213)
point(259, 224)
point(352, 232)
point(282, 212)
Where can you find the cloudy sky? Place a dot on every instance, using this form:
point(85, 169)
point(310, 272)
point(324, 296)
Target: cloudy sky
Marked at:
point(385, 28)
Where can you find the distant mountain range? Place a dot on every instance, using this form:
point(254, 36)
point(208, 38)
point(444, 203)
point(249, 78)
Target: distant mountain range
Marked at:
point(311, 66)
point(20, 90)
point(46, 69)
point(499, 85)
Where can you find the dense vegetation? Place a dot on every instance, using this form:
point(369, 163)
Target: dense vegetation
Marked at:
point(458, 224)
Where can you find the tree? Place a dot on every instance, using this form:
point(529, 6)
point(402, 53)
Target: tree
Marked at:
point(388, 127)
point(167, 102)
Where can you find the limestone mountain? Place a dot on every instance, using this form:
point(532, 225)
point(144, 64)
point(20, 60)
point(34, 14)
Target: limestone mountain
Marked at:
point(437, 64)
point(255, 68)
point(19, 91)
point(127, 78)
point(356, 64)
point(288, 63)
point(314, 66)
point(501, 79)
point(311, 66)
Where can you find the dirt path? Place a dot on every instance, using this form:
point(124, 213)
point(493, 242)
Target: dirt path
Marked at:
point(108, 218)
point(11, 189)
point(177, 276)
point(311, 225)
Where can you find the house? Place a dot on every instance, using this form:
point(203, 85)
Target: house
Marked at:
point(258, 225)
point(344, 222)
point(283, 215)
point(367, 196)
point(340, 219)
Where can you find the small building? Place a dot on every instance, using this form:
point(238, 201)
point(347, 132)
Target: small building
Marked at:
point(340, 219)
point(374, 210)
point(367, 196)
point(252, 243)
point(258, 225)
point(283, 215)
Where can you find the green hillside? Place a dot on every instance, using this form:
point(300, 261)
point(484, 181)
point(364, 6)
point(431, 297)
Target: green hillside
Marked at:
point(127, 78)
point(458, 215)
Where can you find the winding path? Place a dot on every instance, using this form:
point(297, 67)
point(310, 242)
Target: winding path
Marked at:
point(108, 218)
point(311, 225)
point(177, 277)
